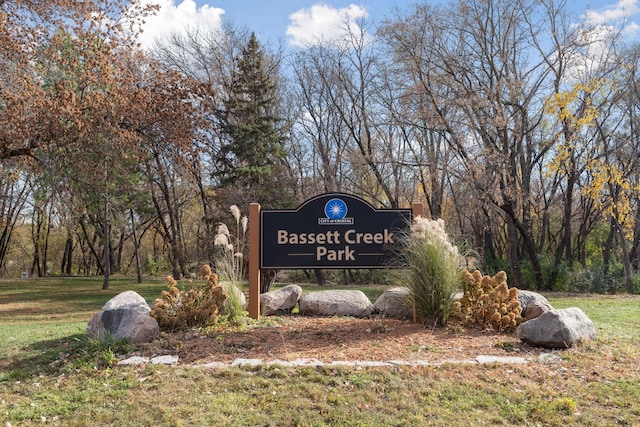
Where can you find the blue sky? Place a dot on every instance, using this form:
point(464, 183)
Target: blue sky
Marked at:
point(299, 22)
point(288, 20)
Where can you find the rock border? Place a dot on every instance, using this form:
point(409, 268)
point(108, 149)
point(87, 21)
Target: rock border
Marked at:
point(242, 362)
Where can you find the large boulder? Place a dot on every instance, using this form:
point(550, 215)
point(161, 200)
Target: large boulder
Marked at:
point(125, 316)
point(335, 303)
point(526, 298)
point(395, 303)
point(557, 329)
point(280, 301)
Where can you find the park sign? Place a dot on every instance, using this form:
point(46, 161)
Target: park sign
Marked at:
point(332, 230)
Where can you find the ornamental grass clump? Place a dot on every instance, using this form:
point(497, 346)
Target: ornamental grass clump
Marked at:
point(178, 309)
point(488, 302)
point(229, 263)
point(431, 270)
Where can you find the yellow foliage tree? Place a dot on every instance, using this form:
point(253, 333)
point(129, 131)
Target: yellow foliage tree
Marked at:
point(574, 111)
point(612, 191)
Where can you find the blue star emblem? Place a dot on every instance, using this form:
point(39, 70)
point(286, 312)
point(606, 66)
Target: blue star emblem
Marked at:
point(335, 209)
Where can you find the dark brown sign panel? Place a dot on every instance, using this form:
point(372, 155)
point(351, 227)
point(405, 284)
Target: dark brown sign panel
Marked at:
point(333, 230)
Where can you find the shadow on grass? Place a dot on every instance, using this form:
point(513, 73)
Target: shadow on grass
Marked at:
point(42, 358)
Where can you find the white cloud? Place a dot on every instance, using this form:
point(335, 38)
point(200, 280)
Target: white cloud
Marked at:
point(323, 23)
point(621, 14)
point(614, 20)
point(616, 12)
point(174, 17)
point(632, 30)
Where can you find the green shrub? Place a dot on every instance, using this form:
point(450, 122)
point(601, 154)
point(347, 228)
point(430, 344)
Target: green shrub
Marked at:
point(558, 278)
point(636, 282)
point(155, 266)
point(431, 267)
point(554, 278)
point(493, 266)
point(101, 353)
point(594, 280)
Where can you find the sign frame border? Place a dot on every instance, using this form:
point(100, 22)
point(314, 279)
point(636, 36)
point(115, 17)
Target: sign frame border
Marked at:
point(403, 211)
point(417, 210)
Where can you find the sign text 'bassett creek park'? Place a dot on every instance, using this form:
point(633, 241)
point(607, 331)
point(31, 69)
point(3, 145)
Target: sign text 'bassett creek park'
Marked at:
point(333, 230)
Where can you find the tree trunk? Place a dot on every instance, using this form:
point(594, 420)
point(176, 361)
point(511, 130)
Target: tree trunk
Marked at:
point(107, 261)
point(628, 280)
point(487, 235)
point(91, 245)
point(512, 254)
point(608, 247)
point(136, 247)
point(67, 257)
point(267, 279)
point(634, 253)
point(564, 246)
point(170, 225)
point(35, 238)
point(207, 216)
point(513, 227)
point(319, 277)
point(45, 249)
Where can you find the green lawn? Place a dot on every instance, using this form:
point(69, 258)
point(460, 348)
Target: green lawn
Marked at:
point(47, 376)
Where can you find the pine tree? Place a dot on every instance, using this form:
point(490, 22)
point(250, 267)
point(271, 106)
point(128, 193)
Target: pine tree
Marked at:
point(251, 156)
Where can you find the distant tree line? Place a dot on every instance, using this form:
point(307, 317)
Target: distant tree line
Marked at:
point(512, 120)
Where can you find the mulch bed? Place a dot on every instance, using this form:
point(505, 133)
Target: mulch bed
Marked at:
point(339, 339)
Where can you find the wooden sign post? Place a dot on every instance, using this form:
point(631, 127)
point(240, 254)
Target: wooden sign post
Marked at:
point(254, 260)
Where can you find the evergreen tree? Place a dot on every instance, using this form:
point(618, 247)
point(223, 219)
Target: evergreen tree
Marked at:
point(251, 156)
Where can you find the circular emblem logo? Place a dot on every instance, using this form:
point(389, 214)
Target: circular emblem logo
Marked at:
point(335, 209)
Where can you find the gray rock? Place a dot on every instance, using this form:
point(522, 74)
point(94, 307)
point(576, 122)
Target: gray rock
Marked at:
point(535, 309)
point(549, 358)
point(482, 359)
point(528, 297)
point(557, 329)
point(247, 362)
point(146, 329)
point(395, 303)
point(134, 360)
point(125, 316)
point(165, 360)
point(158, 360)
point(336, 303)
point(280, 301)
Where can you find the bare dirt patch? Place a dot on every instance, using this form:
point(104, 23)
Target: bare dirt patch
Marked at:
point(339, 339)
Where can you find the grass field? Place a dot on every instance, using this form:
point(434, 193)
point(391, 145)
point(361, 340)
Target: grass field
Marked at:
point(48, 376)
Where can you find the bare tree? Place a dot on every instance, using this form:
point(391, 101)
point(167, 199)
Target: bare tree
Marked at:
point(482, 74)
point(15, 187)
point(347, 103)
point(318, 135)
point(632, 112)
